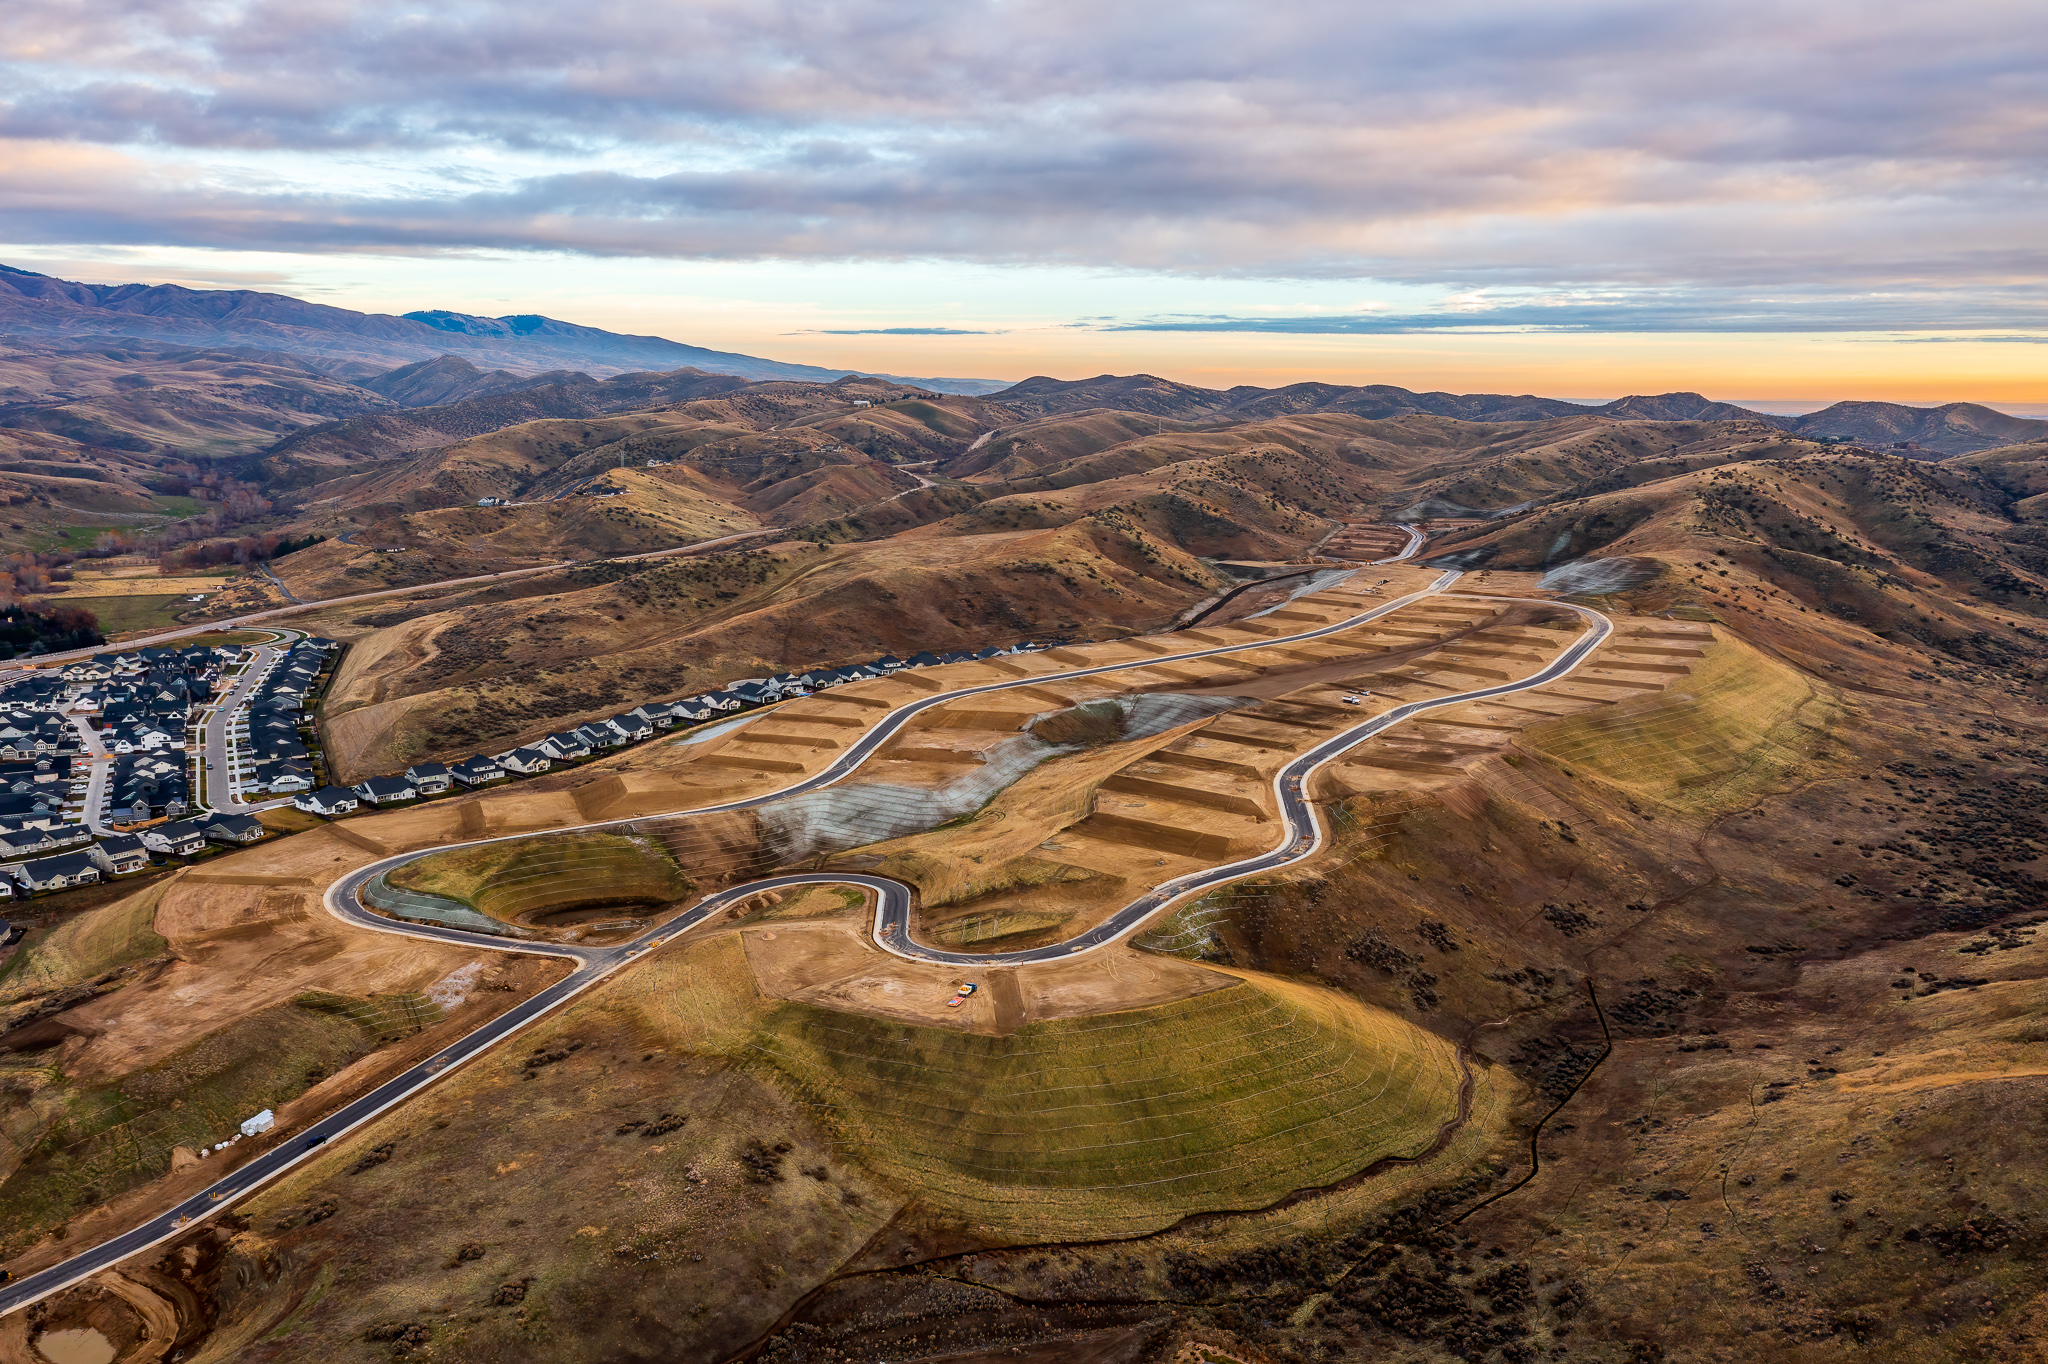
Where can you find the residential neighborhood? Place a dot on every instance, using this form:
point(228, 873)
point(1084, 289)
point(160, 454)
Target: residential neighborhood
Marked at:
point(124, 760)
point(633, 726)
point(97, 759)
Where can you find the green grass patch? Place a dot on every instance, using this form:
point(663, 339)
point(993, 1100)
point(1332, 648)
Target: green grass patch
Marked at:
point(529, 878)
point(973, 930)
point(1124, 1123)
point(1107, 1126)
point(88, 1145)
point(119, 615)
point(87, 946)
point(73, 537)
point(1738, 726)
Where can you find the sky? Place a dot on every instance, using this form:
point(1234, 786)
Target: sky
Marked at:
point(1584, 198)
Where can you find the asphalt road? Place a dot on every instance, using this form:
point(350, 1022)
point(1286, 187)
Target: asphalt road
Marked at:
point(220, 794)
point(272, 613)
point(1304, 836)
point(101, 767)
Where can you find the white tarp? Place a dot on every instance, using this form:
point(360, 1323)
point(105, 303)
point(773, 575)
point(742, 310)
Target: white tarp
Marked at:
point(259, 1124)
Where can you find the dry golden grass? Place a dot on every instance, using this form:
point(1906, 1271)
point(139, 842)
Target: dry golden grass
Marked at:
point(1740, 725)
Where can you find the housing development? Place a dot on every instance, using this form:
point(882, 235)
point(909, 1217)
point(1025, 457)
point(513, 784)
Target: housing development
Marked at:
point(680, 866)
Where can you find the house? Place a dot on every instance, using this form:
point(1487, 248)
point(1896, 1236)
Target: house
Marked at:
point(26, 843)
point(386, 790)
point(119, 855)
point(658, 716)
point(328, 800)
point(181, 836)
point(630, 727)
point(285, 775)
point(476, 771)
point(67, 835)
point(598, 734)
point(233, 829)
point(565, 747)
point(526, 761)
point(429, 779)
point(57, 873)
point(128, 809)
point(719, 701)
point(888, 663)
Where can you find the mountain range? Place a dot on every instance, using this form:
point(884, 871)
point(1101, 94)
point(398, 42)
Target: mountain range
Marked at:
point(357, 345)
point(1950, 429)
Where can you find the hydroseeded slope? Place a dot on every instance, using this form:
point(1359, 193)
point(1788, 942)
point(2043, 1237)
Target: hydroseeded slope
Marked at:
point(1119, 1124)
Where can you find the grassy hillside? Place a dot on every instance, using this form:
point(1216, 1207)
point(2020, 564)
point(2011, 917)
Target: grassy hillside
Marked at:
point(1741, 724)
point(1110, 1125)
point(530, 879)
point(87, 945)
point(65, 1147)
point(1122, 1123)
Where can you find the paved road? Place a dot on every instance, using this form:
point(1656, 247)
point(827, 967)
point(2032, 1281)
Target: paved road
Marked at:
point(1302, 837)
point(272, 613)
point(101, 766)
point(219, 792)
point(593, 964)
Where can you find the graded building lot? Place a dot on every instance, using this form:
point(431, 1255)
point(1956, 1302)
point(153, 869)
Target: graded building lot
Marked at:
point(832, 1057)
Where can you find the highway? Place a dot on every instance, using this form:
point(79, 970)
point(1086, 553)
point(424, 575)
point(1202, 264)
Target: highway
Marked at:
point(1302, 838)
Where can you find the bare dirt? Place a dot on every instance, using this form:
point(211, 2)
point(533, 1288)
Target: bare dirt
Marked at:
point(835, 964)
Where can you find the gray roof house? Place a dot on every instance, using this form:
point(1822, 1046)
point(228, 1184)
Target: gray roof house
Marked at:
point(598, 735)
point(476, 771)
point(431, 778)
point(564, 746)
point(232, 829)
point(526, 761)
point(26, 842)
point(631, 727)
point(119, 855)
point(386, 790)
point(181, 836)
point(328, 800)
point(58, 873)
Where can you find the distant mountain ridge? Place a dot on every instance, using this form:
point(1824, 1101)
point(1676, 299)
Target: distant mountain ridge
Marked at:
point(1951, 429)
point(358, 345)
point(435, 357)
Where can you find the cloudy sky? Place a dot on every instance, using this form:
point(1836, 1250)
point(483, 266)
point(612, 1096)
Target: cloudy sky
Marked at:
point(1581, 197)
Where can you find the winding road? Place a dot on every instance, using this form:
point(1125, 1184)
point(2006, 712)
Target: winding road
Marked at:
point(1303, 838)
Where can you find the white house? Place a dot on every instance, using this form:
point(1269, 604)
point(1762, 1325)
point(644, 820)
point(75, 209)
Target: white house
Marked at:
point(525, 761)
point(328, 800)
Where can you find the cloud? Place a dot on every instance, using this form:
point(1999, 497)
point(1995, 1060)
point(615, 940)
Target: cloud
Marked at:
point(1798, 165)
point(1695, 311)
point(893, 331)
